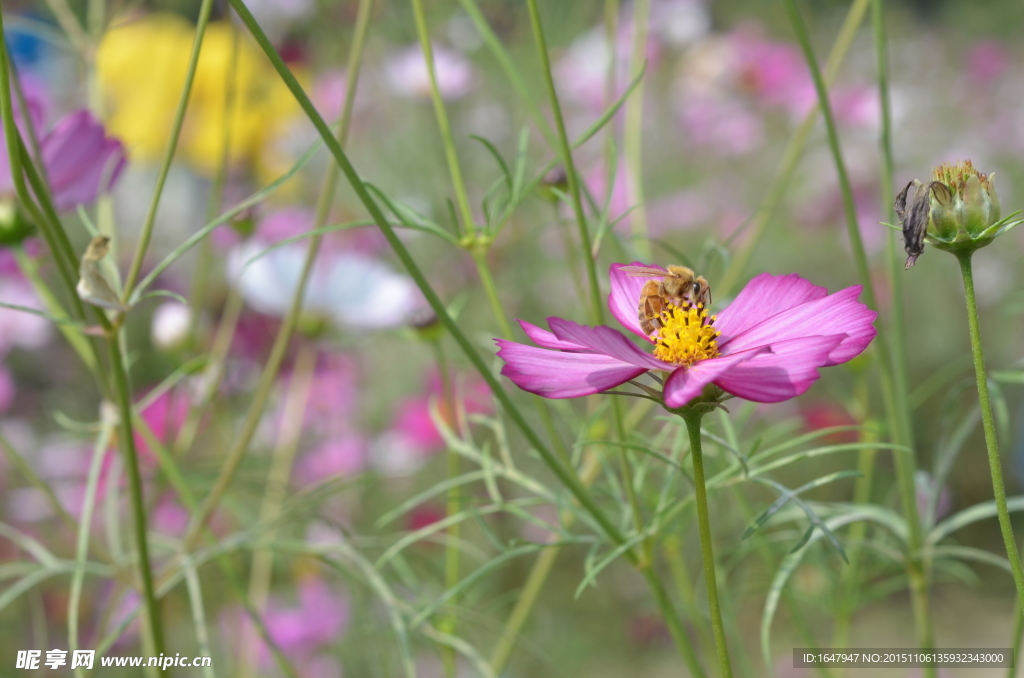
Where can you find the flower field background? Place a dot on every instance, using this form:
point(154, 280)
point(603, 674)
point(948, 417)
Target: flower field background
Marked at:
point(276, 380)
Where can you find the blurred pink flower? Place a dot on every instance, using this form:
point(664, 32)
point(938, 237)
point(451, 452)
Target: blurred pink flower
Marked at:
point(823, 414)
point(320, 618)
point(407, 74)
point(170, 517)
point(986, 61)
point(333, 394)
point(413, 437)
point(80, 160)
point(164, 416)
point(335, 457)
point(422, 516)
point(7, 388)
point(17, 328)
point(774, 72)
point(723, 125)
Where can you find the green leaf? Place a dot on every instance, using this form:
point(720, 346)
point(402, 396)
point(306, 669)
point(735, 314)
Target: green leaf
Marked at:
point(969, 515)
point(785, 495)
point(196, 237)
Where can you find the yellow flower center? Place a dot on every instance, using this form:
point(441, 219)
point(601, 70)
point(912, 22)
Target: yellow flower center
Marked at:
point(687, 335)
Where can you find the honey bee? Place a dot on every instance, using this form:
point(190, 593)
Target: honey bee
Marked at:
point(678, 286)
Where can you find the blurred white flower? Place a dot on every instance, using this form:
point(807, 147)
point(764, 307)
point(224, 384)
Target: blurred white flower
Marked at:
point(171, 324)
point(348, 288)
point(407, 73)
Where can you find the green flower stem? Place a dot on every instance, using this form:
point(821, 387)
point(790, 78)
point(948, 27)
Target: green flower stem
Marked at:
point(275, 490)
point(989, 426)
point(633, 136)
point(565, 475)
point(204, 262)
point(672, 548)
point(214, 372)
point(597, 308)
point(452, 507)
point(122, 391)
point(172, 145)
point(491, 290)
point(507, 64)
point(83, 532)
point(528, 596)
point(791, 156)
point(692, 417)
point(15, 459)
point(172, 473)
point(30, 269)
point(284, 334)
point(69, 24)
point(904, 462)
point(62, 254)
point(770, 558)
point(1018, 635)
point(897, 329)
point(461, 197)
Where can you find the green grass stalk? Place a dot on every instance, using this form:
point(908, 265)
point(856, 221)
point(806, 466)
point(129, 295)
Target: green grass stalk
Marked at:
point(451, 154)
point(989, 427)
point(122, 391)
point(284, 334)
point(597, 308)
point(692, 417)
point(904, 463)
point(288, 439)
point(791, 156)
point(633, 135)
point(172, 145)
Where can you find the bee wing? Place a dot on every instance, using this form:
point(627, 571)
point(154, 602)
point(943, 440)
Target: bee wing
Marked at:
point(644, 272)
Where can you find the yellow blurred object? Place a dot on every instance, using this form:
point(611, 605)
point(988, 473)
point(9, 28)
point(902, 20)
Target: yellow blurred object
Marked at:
point(142, 65)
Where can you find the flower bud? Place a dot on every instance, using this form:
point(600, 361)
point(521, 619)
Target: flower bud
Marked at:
point(14, 227)
point(958, 211)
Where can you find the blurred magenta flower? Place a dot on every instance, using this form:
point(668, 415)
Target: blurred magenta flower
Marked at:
point(766, 346)
point(80, 160)
point(986, 61)
point(7, 388)
point(413, 436)
point(407, 74)
point(338, 457)
point(320, 618)
point(17, 328)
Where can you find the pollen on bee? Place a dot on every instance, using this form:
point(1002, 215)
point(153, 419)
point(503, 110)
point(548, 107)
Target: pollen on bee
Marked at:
point(687, 335)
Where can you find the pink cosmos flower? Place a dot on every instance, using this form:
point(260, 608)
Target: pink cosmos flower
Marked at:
point(766, 346)
point(80, 160)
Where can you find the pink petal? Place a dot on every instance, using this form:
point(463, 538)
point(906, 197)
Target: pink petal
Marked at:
point(624, 298)
point(839, 313)
point(81, 161)
point(554, 374)
point(546, 339)
point(686, 383)
point(607, 341)
point(765, 296)
point(785, 372)
point(85, 187)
